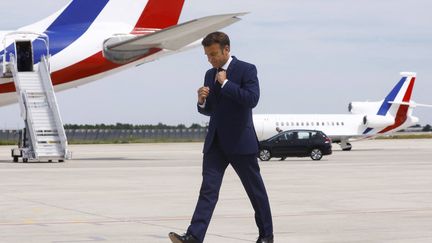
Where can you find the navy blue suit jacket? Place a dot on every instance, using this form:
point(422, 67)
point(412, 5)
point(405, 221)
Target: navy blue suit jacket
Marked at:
point(230, 109)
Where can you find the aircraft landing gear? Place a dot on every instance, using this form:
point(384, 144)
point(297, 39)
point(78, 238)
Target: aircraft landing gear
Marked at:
point(345, 146)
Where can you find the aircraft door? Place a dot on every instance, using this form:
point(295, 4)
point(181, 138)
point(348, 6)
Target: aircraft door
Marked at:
point(24, 56)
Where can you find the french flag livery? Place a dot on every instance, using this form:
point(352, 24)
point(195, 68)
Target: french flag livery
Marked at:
point(89, 40)
point(395, 107)
point(367, 119)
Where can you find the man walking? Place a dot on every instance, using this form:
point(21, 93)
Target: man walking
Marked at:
point(230, 92)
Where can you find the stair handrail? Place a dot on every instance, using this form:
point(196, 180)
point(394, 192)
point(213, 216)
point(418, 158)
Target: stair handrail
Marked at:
point(28, 120)
point(14, 71)
point(45, 76)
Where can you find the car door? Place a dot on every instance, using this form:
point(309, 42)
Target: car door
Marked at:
point(279, 144)
point(289, 146)
point(300, 144)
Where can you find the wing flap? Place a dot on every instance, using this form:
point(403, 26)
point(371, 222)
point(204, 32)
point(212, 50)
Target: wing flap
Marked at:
point(126, 49)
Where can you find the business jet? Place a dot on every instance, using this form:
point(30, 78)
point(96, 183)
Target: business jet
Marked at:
point(89, 39)
point(367, 119)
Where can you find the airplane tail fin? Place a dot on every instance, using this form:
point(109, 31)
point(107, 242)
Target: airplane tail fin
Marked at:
point(399, 96)
point(395, 110)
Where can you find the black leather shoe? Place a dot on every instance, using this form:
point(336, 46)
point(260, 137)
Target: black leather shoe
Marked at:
point(268, 239)
point(186, 238)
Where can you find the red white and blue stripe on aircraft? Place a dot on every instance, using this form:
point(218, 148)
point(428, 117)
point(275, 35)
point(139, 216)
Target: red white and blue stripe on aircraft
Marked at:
point(401, 115)
point(76, 19)
point(70, 25)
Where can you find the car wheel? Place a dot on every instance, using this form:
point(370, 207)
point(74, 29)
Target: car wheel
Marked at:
point(264, 155)
point(316, 154)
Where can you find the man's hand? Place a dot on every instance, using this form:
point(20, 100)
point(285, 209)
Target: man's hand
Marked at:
point(221, 76)
point(203, 93)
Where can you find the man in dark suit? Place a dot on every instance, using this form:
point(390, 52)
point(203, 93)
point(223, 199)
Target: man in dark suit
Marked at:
point(230, 91)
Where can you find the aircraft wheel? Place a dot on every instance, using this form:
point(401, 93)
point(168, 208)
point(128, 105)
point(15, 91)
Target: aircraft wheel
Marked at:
point(264, 155)
point(15, 159)
point(316, 154)
point(348, 147)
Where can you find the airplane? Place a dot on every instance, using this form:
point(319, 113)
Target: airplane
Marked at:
point(367, 119)
point(88, 40)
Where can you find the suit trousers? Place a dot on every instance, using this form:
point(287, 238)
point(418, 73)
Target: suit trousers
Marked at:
point(246, 166)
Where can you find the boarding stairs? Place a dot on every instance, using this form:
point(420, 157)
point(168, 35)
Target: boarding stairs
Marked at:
point(44, 137)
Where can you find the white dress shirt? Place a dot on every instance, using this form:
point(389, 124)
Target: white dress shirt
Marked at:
point(225, 67)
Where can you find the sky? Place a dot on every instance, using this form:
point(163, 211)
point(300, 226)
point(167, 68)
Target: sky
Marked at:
point(312, 56)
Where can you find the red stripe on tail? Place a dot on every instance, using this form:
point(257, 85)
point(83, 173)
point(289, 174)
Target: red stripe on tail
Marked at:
point(401, 114)
point(160, 14)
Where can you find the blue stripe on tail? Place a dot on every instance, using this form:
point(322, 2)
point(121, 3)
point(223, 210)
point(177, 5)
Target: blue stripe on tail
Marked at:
point(390, 97)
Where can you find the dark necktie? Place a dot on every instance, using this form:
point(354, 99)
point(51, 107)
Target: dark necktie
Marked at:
point(217, 85)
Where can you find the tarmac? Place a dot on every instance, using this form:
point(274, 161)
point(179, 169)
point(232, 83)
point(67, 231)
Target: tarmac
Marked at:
point(381, 191)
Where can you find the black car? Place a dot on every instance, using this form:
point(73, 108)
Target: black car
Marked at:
point(296, 143)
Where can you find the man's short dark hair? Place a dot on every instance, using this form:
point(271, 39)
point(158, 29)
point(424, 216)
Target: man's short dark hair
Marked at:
point(216, 38)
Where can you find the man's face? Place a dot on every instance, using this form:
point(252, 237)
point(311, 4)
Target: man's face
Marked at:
point(217, 56)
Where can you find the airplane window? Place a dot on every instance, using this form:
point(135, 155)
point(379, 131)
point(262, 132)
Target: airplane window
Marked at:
point(282, 124)
point(323, 123)
point(337, 123)
point(317, 123)
point(297, 123)
point(302, 124)
point(277, 124)
point(292, 123)
point(307, 123)
point(342, 124)
point(332, 123)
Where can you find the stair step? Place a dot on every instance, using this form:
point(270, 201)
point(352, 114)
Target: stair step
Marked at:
point(41, 116)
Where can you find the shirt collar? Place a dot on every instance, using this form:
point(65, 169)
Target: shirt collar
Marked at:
point(225, 67)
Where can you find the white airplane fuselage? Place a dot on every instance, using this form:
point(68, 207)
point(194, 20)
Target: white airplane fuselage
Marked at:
point(78, 32)
point(367, 119)
point(337, 126)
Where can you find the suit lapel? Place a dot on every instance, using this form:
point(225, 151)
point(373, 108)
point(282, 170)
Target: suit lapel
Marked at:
point(231, 67)
point(215, 85)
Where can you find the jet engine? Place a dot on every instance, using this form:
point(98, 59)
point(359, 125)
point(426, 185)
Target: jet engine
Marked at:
point(378, 121)
point(364, 107)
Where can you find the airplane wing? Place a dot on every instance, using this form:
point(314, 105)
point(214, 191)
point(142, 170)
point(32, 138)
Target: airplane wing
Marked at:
point(123, 49)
